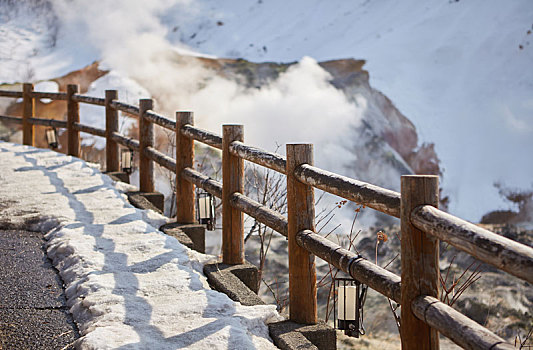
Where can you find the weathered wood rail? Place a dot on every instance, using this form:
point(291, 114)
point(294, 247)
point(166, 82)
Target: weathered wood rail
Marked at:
point(423, 316)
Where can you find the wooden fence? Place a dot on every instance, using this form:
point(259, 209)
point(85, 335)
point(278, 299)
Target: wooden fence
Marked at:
point(423, 315)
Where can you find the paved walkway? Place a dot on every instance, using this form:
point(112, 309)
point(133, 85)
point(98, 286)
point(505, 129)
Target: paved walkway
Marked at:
point(33, 313)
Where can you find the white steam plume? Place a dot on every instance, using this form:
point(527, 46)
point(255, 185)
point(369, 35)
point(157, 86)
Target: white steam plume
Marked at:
point(300, 106)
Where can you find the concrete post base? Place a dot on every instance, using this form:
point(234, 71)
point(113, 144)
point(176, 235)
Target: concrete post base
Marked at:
point(239, 282)
point(147, 200)
point(119, 176)
point(185, 233)
point(288, 335)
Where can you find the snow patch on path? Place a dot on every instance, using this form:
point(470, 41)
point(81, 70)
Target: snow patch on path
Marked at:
point(128, 285)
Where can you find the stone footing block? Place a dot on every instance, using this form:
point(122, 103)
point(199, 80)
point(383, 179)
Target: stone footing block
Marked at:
point(193, 233)
point(147, 200)
point(119, 176)
point(288, 335)
point(227, 279)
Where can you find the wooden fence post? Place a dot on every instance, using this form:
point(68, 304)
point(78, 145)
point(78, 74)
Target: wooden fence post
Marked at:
point(111, 125)
point(73, 116)
point(232, 181)
point(301, 216)
point(185, 201)
point(28, 111)
point(146, 139)
point(419, 260)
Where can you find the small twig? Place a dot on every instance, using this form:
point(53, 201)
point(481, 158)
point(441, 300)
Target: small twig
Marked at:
point(62, 334)
point(390, 262)
point(330, 232)
point(396, 317)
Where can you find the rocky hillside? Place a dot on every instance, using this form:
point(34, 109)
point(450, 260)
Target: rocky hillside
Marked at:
point(386, 142)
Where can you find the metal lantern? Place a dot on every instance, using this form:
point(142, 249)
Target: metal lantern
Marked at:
point(348, 306)
point(126, 160)
point(51, 137)
point(205, 209)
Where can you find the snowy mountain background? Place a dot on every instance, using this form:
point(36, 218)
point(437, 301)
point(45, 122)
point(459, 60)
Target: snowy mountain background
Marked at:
point(459, 70)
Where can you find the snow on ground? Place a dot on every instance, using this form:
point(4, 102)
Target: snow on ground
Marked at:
point(128, 285)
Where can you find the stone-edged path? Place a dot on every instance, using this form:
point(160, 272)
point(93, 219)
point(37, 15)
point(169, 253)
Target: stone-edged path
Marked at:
point(33, 312)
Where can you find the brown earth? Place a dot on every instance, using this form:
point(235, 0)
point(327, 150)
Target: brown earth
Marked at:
point(58, 109)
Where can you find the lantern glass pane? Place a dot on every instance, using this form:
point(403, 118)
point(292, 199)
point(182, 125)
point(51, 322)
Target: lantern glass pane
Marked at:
point(204, 207)
point(51, 137)
point(126, 159)
point(347, 294)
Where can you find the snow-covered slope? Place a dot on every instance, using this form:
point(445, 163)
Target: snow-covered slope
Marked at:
point(128, 285)
point(460, 70)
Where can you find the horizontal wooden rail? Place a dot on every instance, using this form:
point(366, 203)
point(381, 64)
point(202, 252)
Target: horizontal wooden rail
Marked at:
point(460, 329)
point(202, 135)
point(487, 246)
point(258, 156)
point(375, 197)
point(261, 213)
point(126, 141)
point(11, 119)
point(204, 182)
point(160, 120)
point(8, 93)
point(89, 129)
point(62, 96)
point(160, 158)
point(89, 99)
point(503, 253)
point(377, 278)
point(48, 122)
point(124, 107)
point(36, 121)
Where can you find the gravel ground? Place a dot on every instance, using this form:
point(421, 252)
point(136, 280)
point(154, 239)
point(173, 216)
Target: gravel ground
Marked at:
point(33, 314)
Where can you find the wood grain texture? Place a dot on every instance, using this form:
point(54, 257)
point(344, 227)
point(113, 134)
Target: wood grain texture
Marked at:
point(232, 181)
point(112, 157)
point(202, 136)
point(376, 277)
point(503, 253)
point(73, 116)
point(98, 101)
point(161, 120)
point(146, 139)
point(89, 129)
point(126, 141)
point(260, 212)
point(185, 198)
point(301, 216)
point(28, 111)
point(160, 158)
point(13, 94)
point(258, 156)
point(56, 96)
point(420, 261)
point(124, 107)
point(11, 119)
point(202, 181)
point(372, 196)
point(48, 122)
point(456, 326)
